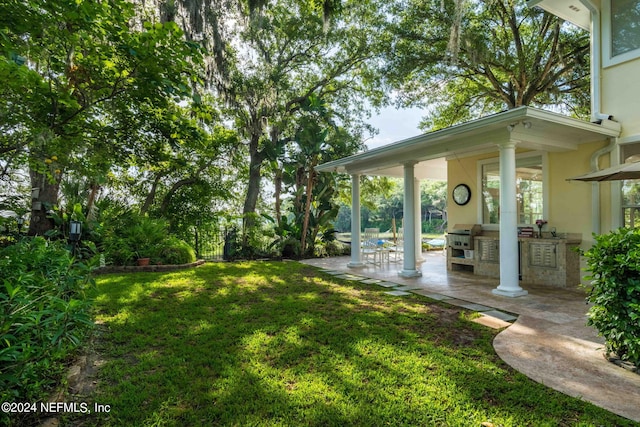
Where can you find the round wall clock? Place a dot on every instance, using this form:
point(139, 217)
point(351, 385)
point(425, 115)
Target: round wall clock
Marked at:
point(461, 194)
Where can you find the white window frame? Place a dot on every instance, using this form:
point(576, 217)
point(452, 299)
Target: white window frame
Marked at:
point(608, 59)
point(545, 186)
point(629, 141)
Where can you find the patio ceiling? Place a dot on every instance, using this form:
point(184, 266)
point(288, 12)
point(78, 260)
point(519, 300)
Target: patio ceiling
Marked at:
point(531, 128)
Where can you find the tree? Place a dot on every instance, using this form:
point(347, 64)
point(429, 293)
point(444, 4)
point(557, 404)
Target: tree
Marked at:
point(434, 200)
point(468, 59)
point(267, 58)
point(311, 206)
point(290, 60)
point(70, 64)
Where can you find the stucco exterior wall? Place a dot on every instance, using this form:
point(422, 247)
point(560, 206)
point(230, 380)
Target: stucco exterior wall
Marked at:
point(621, 96)
point(464, 171)
point(569, 202)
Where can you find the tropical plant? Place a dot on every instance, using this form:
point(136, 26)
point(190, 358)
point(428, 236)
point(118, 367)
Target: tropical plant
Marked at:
point(311, 204)
point(146, 236)
point(44, 316)
point(614, 263)
point(129, 236)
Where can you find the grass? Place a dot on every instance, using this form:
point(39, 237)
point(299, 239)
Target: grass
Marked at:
point(279, 343)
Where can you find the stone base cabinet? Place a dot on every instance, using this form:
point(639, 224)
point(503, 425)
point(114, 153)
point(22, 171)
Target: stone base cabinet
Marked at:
point(547, 261)
point(554, 262)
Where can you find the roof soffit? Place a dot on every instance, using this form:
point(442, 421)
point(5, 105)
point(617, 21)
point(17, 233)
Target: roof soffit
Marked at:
point(574, 11)
point(460, 145)
point(530, 127)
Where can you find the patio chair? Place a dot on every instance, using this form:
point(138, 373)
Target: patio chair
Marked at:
point(398, 246)
point(369, 246)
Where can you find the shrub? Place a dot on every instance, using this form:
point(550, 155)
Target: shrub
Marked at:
point(118, 251)
point(133, 237)
point(176, 251)
point(614, 262)
point(291, 248)
point(147, 236)
point(331, 248)
point(44, 316)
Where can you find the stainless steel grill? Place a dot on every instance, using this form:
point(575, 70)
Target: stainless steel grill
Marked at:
point(461, 236)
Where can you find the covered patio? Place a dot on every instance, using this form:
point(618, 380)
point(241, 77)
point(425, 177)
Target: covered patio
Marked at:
point(428, 156)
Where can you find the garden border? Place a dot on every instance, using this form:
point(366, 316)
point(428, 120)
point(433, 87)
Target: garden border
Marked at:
point(146, 268)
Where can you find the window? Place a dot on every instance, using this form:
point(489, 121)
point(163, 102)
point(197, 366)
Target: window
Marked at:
point(529, 190)
point(631, 189)
point(631, 202)
point(621, 25)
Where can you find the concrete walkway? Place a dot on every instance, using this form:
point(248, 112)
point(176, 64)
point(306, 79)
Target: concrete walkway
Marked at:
point(548, 340)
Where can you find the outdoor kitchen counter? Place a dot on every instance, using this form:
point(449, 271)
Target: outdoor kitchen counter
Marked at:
point(546, 261)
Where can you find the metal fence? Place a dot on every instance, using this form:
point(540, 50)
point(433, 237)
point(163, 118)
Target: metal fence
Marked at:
point(209, 244)
point(225, 243)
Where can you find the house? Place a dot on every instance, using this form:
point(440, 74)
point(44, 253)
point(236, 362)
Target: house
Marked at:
point(508, 170)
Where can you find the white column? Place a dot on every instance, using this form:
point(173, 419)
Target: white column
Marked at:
point(409, 223)
point(509, 285)
point(418, 217)
point(356, 254)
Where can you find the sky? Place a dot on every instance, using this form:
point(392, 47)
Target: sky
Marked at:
point(394, 125)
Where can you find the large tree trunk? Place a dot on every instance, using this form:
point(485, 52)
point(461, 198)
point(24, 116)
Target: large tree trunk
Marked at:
point(275, 137)
point(307, 207)
point(253, 191)
point(44, 197)
point(253, 188)
point(277, 193)
point(91, 202)
point(151, 197)
point(172, 191)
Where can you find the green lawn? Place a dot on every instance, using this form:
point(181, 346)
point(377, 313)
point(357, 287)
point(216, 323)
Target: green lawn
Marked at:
point(278, 343)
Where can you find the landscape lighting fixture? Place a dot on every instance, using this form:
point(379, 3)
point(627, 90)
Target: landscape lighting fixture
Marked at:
point(75, 230)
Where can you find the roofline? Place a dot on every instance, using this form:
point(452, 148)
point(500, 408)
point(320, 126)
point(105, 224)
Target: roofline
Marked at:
point(577, 12)
point(612, 129)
